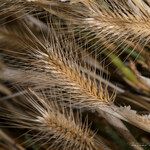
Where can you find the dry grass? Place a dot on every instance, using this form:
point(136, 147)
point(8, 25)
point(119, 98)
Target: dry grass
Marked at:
point(63, 61)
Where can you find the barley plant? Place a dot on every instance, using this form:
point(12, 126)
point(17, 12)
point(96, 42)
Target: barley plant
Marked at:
point(74, 74)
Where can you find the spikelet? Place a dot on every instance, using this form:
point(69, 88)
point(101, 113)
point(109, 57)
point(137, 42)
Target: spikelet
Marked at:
point(55, 127)
point(122, 23)
point(128, 16)
point(60, 70)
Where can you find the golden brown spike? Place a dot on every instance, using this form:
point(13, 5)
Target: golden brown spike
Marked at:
point(52, 125)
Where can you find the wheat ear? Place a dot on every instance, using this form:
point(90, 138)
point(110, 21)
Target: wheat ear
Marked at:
point(122, 23)
point(55, 127)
